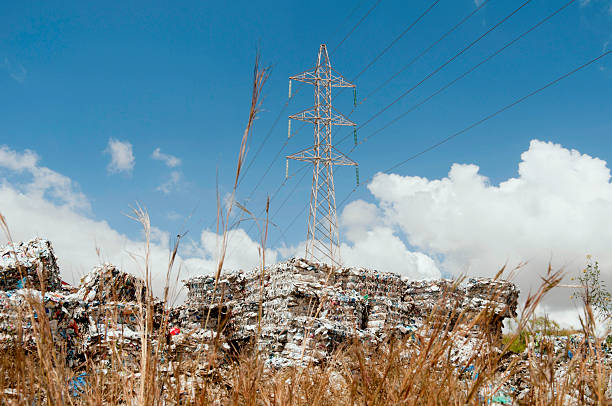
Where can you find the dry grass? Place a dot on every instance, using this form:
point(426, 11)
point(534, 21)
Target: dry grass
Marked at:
point(412, 371)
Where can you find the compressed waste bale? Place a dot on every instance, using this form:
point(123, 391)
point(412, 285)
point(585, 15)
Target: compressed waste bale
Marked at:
point(27, 264)
point(303, 310)
point(86, 322)
point(107, 283)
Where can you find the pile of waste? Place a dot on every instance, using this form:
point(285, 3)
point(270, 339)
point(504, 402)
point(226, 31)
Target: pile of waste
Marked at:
point(108, 283)
point(82, 321)
point(299, 310)
point(302, 311)
point(293, 313)
point(29, 265)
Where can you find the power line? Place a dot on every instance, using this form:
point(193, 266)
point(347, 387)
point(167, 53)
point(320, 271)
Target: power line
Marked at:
point(439, 68)
point(413, 60)
point(444, 64)
point(485, 119)
point(290, 194)
point(425, 51)
point(348, 17)
point(356, 25)
point(391, 44)
point(278, 189)
point(276, 120)
point(461, 76)
point(410, 26)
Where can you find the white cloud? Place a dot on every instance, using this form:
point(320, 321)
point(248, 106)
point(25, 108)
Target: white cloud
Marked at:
point(42, 182)
point(122, 157)
point(171, 183)
point(242, 252)
point(15, 70)
point(175, 176)
point(47, 204)
point(557, 209)
point(170, 160)
point(372, 244)
point(15, 161)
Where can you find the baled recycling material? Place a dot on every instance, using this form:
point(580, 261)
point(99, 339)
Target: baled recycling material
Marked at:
point(300, 311)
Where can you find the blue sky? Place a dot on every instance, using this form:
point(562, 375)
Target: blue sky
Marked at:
point(76, 75)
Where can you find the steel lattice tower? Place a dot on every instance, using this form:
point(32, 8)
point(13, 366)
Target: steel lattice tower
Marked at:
point(323, 240)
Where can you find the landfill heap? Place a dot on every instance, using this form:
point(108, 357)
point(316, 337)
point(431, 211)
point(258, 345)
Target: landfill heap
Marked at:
point(86, 322)
point(308, 309)
point(299, 310)
point(28, 265)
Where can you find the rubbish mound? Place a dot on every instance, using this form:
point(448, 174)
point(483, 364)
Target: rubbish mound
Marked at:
point(107, 283)
point(299, 310)
point(86, 322)
point(308, 309)
point(27, 265)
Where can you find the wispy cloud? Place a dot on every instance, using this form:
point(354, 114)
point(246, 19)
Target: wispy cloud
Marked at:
point(170, 160)
point(15, 70)
point(603, 4)
point(175, 176)
point(171, 183)
point(122, 157)
point(174, 216)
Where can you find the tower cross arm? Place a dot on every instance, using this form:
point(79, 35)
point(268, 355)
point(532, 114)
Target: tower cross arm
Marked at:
point(306, 77)
point(306, 155)
point(338, 81)
point(338, 158)
point(314, 76)
point(312, 116)
point(313, 154)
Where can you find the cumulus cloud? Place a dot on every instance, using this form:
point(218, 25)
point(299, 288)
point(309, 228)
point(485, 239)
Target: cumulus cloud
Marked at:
point(375, 245)
point(170, 160)
point(242, 252)
point(557, 209)
point(42, 182)
point(37, 201)
point(122, 157)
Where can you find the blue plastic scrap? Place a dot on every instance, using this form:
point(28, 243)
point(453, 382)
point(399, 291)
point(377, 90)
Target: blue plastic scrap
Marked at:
point(504, 400)
point(77, 385)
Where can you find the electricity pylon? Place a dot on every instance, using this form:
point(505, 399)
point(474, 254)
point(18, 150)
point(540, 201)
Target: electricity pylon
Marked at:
point(323, 240)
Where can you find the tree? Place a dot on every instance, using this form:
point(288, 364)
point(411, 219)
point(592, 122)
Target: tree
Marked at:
point(593, 291)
